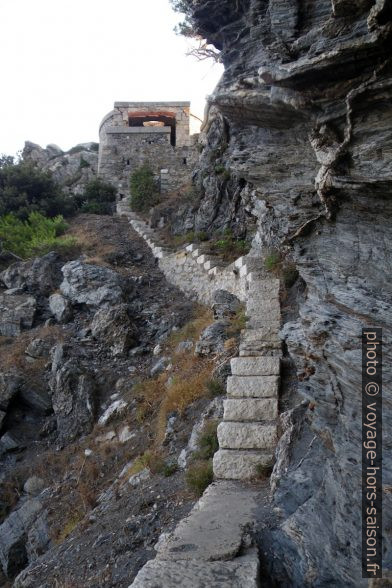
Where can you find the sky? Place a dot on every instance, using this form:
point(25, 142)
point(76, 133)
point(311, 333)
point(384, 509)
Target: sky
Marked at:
point(65, 62)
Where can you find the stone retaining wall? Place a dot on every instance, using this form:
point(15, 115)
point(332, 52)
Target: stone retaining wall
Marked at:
point(197, 274)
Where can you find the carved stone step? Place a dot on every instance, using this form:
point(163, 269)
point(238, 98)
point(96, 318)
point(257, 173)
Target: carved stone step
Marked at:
point(250, 409)
point(246, 435)
point(252, 386)
point(255, 366)
point(231, 464)
point(265, 333)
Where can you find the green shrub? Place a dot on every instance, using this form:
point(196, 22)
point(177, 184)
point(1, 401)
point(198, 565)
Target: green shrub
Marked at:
point(215, 388)
point(272, 260)
point(83, 163)
point(169, 469)
point(219, 169)
point(275, 262)
point(229, 248)
point(198, 476)
point(24, 189)
point(98, 197)
point(35, 236)
point(207, 442)
point(144, 192)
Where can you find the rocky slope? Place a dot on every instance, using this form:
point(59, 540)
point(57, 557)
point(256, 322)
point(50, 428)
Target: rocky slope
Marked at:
point(298, 142)
point(92, 344)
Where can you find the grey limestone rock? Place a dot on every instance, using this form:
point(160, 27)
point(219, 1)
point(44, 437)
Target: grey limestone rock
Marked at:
point(114, 327)
point(73, 399)
point(40, 275)
point(16, 313)
point(60, 307)
point(91, 284)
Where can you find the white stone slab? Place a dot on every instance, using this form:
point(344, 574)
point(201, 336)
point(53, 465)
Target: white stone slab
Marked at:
point(255, 366)
point(231, 464)
point(246, 436)
point(250, 409)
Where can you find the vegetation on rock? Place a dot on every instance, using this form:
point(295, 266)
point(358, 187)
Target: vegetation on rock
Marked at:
point(143, 188)
point(34, 236)
point(24, 189)
point(98, 197)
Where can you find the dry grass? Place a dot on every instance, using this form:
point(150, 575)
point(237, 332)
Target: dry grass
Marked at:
point(187, 381)
point(191, 330)
point(13, 356)
point(90, 241)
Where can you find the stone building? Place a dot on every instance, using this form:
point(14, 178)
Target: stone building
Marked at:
point(157, 133)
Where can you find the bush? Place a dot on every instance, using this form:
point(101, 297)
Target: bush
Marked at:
point(285, 269)
point(198, 476)
point(83, 163)
point(35, 236)
point(229, 248)
point(207, 442)
point(144, 192)
point(24, 189)
point(98, 197)
point(215, 388)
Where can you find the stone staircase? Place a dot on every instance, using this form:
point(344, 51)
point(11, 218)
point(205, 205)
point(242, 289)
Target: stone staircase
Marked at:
point(248, 434)
point(212, 547)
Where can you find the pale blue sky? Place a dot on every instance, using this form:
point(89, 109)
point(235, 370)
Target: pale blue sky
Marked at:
point(64, 63)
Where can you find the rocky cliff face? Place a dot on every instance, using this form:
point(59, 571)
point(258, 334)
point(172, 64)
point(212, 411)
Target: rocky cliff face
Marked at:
point(72, 170)
point(298, 140)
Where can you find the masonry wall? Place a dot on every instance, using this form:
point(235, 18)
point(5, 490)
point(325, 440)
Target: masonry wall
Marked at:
point(123, 149)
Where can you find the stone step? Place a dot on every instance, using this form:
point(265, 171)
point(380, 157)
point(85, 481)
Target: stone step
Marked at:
point(254, 348)
point(252, 386)
point(191, 247)
point(250, 409)
point(231, 464)
point(263, 305)
point(246, 435)
point(212, 262)
point(265, 333)
point(214, 528)
point(241, 572)
point(255, 366)
point(270, 349)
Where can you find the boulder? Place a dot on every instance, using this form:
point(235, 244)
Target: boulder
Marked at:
point(115, 409)
point(10, 383)
point(212, 339)
point(73, 399)
point(36, 396)
point(60, 307)
point(16, 313)
point(33, 485)
point(23, 536)
point(184, 346)
point(41, 274)
point(115, 329)
point(91, 284)
point(38, 348)
point(159, 366)
point(224, 304)
point(9, 442)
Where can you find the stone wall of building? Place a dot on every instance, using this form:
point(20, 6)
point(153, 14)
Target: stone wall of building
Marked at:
point(124, 148)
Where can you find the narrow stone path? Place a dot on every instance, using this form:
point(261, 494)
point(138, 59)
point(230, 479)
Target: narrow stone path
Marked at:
point(212, 546)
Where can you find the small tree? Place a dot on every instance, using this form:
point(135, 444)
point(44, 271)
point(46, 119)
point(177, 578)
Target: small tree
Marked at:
point(144, 191)
point(25, 188)
point(188, 28)
point(98, 197)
